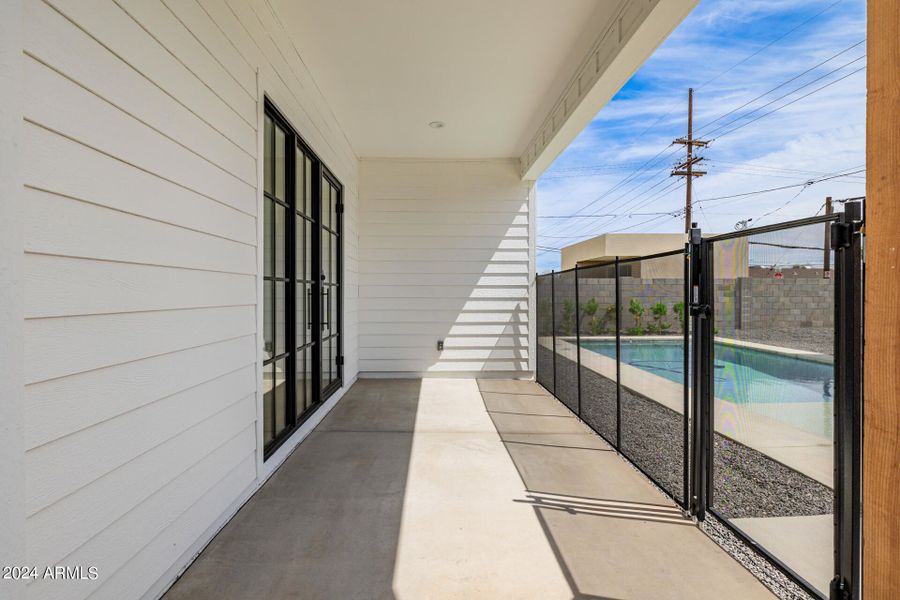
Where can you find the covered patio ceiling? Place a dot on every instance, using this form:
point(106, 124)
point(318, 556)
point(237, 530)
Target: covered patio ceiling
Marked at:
point(506, 78)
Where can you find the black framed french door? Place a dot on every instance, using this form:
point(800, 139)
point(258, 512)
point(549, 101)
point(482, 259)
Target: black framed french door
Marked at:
point(330, 277)
point(302, 259)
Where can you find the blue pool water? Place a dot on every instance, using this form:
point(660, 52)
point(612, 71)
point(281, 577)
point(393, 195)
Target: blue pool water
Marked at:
point(742, 374)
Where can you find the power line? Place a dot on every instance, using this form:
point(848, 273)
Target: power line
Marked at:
point(597, 216)
point(622, 182)
point(784, 83)
point(738, 172)
point(775, 210)
point(673, 186)
point(721, 135)
point(674, 105)
point(788, 246)
point(775, 41)
point(756, 165)
point(633, 175)
point(783, 96)
point(779, 188)
point(677, 214)
point(638, 224)
point(587, 230)
point(564, 237)
point(627, 199)
point(580, 170)
point(655, 160)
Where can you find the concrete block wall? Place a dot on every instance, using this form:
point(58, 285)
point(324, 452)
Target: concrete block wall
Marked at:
point(744, 303)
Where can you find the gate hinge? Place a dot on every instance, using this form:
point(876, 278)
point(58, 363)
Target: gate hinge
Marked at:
point(339, 207)
point(339, 360)
point(839, 589)
point(842, 234)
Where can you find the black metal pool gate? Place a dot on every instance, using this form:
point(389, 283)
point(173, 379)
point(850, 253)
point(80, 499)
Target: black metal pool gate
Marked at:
point(674, 439)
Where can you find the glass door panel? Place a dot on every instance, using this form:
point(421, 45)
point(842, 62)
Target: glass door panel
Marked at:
point(330, 278)
point(305, 289)
point(301, 281)
point(278, 353)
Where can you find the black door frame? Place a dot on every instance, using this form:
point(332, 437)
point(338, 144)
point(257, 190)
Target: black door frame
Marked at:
point(298, 415)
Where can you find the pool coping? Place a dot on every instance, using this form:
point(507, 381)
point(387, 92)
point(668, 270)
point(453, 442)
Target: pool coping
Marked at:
point(819, 357)
point(796, 449)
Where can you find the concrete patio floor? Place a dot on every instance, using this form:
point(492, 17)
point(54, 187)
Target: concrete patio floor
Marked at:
point(455, 488)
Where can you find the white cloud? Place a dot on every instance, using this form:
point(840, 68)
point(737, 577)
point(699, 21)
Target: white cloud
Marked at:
point(820, 134)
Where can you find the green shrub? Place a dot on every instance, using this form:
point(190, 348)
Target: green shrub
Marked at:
point(609, 316)
point(660, 324)
point(567, 325)
point(590, 311)
point(678, 309)
point(636, 308)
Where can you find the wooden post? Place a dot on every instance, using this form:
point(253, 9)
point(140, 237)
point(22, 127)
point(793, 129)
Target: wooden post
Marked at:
point(881, 450)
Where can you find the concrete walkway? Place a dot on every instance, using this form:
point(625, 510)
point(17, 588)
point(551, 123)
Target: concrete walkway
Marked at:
point(454, 488)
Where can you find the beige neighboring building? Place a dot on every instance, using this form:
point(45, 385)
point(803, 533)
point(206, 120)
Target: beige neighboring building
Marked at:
point(731, 259)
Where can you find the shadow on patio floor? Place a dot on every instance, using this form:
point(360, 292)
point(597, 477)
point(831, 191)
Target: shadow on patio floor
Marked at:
point(612, 533)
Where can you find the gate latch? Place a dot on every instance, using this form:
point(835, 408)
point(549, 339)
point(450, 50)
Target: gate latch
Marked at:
point(699, 310)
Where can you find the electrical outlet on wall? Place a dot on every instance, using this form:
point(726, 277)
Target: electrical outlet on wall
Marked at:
point(440, 345)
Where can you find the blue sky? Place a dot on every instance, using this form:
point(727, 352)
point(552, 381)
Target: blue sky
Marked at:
point(727, 51)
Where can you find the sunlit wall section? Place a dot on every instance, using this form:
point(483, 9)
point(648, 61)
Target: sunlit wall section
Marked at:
point(445, 268)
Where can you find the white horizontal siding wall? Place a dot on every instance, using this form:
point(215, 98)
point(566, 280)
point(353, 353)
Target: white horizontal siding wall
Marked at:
point(12, 471)
point(445, 255)
point(139, 150)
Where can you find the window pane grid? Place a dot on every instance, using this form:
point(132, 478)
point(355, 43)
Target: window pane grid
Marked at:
point(301, 281)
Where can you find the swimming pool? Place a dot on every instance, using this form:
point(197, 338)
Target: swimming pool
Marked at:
point(743, 376)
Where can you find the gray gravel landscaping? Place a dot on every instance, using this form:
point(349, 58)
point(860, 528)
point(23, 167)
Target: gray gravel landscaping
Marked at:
point(780, 584)
point(811, 339)
point(567, 382)
point(545, 367)
point(747, 483)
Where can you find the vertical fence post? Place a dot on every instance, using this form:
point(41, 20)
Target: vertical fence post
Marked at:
point(537, 329)
point(553, 322)
point(686, 369)
point(578, 341)
point(848, 364)
point(618, 361)
point(700, 311)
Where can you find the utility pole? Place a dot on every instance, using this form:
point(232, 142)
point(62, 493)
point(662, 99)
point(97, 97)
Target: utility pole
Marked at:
point(826, 270)
point(686, 169)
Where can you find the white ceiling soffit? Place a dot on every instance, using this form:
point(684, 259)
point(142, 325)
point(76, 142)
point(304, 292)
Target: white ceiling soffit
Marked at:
point(635, 32)
point(489, 70)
